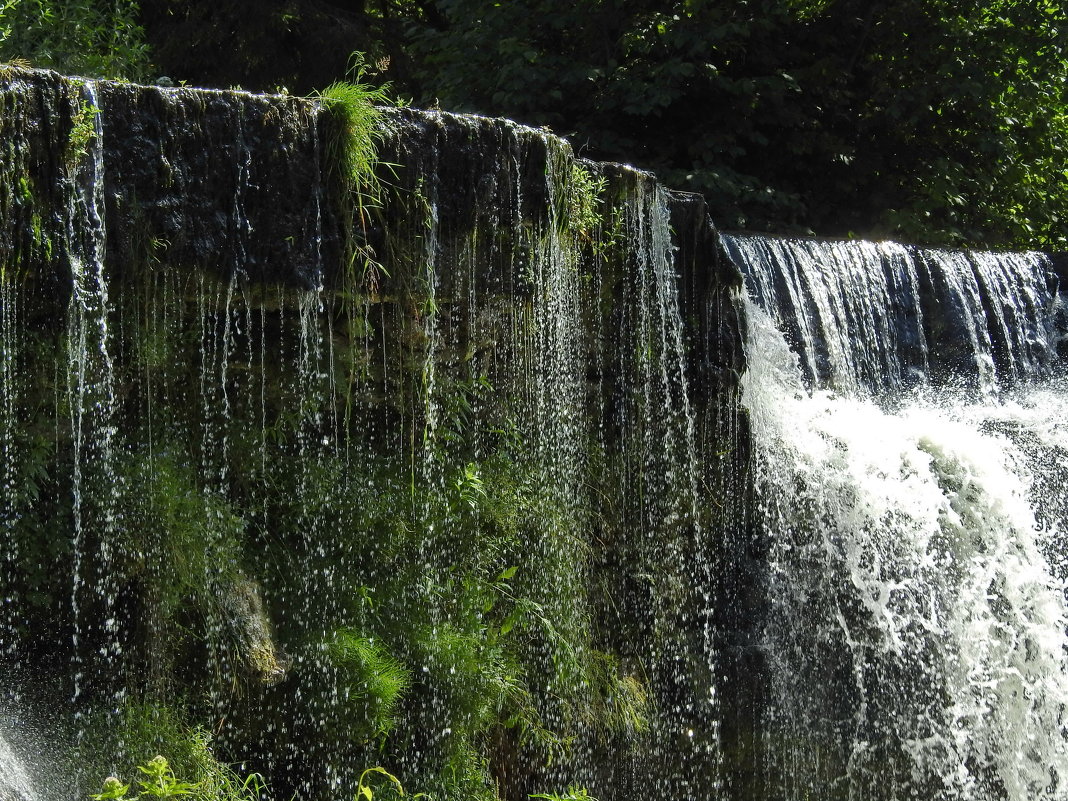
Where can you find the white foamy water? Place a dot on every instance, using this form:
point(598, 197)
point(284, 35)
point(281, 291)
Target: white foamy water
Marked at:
point(915, 633)
point(881, 316)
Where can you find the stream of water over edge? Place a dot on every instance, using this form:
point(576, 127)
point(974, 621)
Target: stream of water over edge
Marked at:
point(459, 486)
point(915, 637)
point(435, 509)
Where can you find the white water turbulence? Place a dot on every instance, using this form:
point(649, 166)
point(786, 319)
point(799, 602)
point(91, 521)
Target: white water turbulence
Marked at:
point(915, 630)
point(15, 783)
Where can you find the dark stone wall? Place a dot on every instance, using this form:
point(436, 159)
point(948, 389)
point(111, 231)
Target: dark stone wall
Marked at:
point(225, 180)
point(230, 181)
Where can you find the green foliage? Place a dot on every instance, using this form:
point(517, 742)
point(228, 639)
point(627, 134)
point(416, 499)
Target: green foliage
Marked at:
point(192, 772)
point(620, 702)
point(159, 782)
point(448, 579)
point(82, 132)
point(112, 790)
point(355, 150)
point(584, 198)
point(97, 39)
point(940, 122)
point(364, 789)
point(373, 681)
point(969, 100)
point(188, 537)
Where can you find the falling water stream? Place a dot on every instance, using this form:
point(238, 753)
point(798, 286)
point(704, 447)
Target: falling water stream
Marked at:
point(459, 485)
point(433, 508)
point(915, 635)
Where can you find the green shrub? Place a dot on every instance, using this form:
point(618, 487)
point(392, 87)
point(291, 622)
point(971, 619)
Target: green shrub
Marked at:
point(572, 794)
point(192, 771)
point(100, 40)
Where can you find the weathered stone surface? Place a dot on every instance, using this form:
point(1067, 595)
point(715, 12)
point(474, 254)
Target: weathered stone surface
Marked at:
point(224, 180)
point(1060, 265)
point(709, 282)
point(263, 660)
point(235, 183)
point(1060, 269)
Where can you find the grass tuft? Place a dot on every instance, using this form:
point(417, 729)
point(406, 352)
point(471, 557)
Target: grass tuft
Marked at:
point(354, 149)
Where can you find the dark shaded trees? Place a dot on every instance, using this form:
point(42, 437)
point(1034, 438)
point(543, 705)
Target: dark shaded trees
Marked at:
point(931, 120)
point(935, 121)
point(82, 37)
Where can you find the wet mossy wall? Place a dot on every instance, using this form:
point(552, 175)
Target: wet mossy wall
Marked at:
point(443, 483)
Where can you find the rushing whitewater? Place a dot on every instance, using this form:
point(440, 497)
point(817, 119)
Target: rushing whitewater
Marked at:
point(915, 637)
point(879, 316)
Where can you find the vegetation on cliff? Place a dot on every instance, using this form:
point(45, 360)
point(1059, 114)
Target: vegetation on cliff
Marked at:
point(400, 516)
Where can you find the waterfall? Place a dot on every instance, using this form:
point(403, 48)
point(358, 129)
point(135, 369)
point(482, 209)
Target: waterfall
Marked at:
point(415, 484)
point(913, 509)
point(473, 483)
point(869, 316)
point(91, 399)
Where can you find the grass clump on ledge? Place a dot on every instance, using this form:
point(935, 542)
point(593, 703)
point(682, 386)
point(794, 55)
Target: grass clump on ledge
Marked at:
point(352, 158)
point(355, 148)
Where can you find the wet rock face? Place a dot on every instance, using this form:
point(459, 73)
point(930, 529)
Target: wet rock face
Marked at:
point(708, 285)
point(226, 180)
point(235, 183)
point(485, 270)
point(250, 627)
point(1060, 269)
point(35, 124)
point(1060, 266)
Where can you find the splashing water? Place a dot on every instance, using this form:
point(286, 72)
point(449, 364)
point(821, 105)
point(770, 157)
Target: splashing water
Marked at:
point(15, 783)
point(915, 634)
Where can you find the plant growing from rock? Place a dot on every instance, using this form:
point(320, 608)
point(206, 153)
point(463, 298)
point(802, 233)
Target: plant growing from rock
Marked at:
point(372, 680)
point(352, 152)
